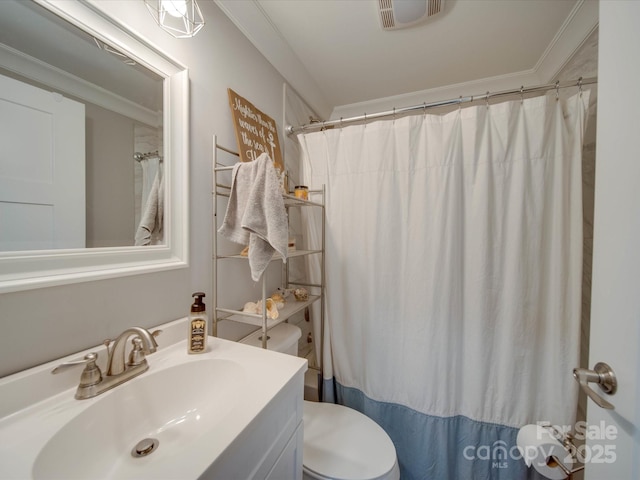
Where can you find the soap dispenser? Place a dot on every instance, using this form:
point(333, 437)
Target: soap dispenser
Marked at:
point(197, 341)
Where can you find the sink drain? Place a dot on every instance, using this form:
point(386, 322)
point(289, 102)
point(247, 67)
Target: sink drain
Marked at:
point(145, 447)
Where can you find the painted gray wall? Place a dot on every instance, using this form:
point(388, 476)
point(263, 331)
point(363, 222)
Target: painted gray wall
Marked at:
point(41, 325)
point(110, 188)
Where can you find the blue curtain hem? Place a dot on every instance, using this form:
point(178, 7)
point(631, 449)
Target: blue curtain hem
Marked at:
point(441, 448)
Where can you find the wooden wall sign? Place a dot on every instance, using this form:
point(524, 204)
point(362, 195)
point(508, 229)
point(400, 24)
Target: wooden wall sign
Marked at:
point(256, 132)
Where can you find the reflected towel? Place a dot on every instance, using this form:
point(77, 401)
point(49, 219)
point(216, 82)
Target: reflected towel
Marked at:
point(149, 231)
point(256, 214)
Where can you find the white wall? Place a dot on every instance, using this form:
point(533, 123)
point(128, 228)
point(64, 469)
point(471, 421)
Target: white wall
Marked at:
point(110, 189)
point(41, 325)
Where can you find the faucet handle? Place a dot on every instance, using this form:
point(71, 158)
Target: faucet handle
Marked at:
point(155, 335)
point(106, 343)
point(91, 375)
point(88, 360)
point(136, 356)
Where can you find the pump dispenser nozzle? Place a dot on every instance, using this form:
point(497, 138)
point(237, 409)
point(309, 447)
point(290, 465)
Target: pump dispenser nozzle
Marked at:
point(198, 304)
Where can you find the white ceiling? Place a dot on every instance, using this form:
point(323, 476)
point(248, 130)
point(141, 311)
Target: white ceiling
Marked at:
point(340, 46)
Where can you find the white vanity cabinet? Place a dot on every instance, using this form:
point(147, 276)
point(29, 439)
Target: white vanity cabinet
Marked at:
point(270, 447)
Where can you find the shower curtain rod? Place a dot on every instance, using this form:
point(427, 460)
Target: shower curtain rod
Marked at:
point(143, 156)
point(319, 125)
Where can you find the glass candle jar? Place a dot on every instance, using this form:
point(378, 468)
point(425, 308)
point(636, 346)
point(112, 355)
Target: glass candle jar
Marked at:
point(301, 191)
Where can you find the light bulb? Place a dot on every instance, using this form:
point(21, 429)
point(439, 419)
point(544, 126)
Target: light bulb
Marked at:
point(175, 8)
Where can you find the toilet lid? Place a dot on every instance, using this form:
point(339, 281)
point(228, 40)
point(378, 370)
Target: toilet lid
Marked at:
point(343, 444)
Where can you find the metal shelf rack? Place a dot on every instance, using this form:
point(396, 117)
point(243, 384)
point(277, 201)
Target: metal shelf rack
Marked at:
point(292, 306)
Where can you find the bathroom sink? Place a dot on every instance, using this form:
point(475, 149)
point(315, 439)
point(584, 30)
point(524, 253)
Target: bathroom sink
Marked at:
point(174, 406)
point(212, 415)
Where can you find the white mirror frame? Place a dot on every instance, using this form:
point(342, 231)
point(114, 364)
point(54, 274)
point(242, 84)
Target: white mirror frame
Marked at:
point(44, 268)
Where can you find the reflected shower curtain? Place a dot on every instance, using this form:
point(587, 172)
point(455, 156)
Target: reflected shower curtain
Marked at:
point(453, 278)
point(149, 230)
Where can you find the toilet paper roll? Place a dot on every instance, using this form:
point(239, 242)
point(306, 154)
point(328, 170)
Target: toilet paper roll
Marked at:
point(537, 444)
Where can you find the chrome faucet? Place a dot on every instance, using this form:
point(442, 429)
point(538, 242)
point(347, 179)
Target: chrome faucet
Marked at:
point(93, 383)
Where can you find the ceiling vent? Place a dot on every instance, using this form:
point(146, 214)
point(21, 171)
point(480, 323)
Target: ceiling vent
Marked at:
point(395, 14)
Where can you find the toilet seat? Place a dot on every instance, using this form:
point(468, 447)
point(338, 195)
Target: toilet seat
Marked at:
point(343, 444)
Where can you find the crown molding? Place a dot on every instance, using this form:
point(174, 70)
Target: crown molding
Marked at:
point(579, 25)
point(255, 24)
point(50, 76)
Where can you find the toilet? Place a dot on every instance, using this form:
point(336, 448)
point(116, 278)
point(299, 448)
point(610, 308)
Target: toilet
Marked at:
point(340, 443)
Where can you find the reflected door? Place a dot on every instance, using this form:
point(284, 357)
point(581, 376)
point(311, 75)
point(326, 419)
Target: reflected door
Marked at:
point(42, 169)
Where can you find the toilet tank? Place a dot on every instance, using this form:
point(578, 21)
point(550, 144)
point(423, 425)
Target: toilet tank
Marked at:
point(282, 338)
point(234, 331)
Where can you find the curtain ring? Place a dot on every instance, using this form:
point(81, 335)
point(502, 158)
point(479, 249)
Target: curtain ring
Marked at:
point(486, 98)
point(521, 94)
point(365, 119)
point(340, 123)
point(424, 108)
point(557, 90)
point(580, 86)
point(460, 103)
point(394, 114)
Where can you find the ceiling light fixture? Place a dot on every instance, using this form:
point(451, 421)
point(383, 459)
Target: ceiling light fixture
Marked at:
point(109, 49)
point(180, 18)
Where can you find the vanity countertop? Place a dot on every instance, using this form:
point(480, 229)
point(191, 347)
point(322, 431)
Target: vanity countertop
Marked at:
point(245, 381)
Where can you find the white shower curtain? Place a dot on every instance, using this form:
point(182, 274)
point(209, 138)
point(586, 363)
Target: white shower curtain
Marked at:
point(453, 273)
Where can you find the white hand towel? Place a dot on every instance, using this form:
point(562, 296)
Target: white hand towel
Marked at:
point(256, 214)
point(149, 231)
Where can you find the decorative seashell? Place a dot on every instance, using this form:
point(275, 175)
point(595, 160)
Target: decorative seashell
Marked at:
point(301, 294)
point(286, 293)
point(279, 299)
point(272, 309)
point(251, 307)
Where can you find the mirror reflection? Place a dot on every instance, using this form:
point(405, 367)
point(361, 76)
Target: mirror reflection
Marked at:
point(81, 162)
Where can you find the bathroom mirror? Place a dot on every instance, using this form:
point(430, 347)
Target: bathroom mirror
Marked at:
point(103, 71)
